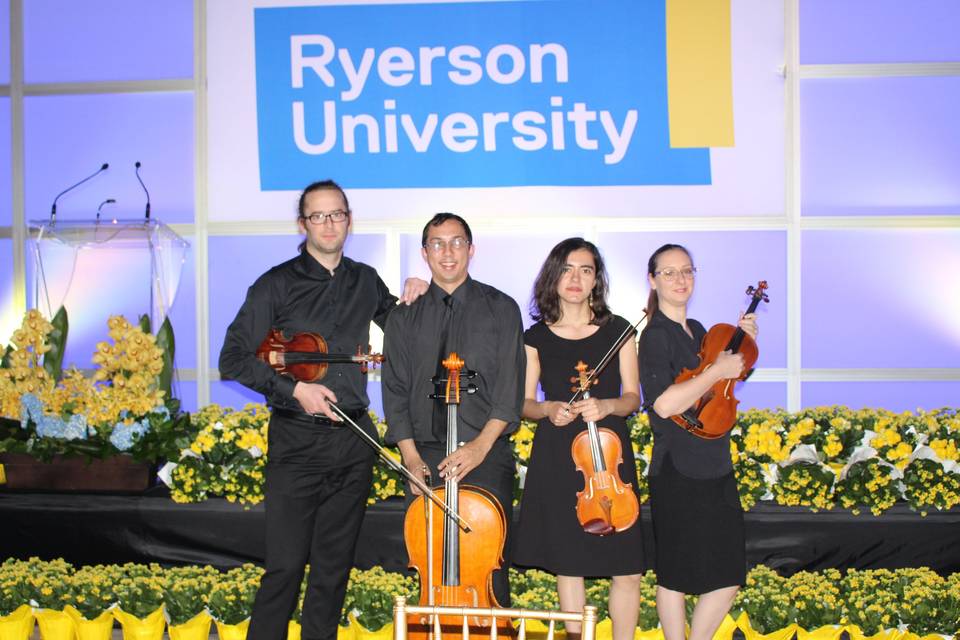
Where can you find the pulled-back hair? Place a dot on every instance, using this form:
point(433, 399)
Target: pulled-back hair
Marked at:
point(653, 301)
point(318, 186)
point(545, 303)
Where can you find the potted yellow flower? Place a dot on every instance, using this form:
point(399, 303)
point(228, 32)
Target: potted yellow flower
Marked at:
point(186, 591)
point(92, 588)
point(140, 595)
point(231, 601)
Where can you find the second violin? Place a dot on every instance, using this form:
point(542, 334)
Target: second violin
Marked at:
point(715, 412)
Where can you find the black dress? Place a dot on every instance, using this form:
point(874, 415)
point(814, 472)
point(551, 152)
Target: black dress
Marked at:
point(549, 536)
point(697, 517)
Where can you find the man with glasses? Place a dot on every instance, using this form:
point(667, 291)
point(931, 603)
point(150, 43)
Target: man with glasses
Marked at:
point(319, 473)
point(482, 325)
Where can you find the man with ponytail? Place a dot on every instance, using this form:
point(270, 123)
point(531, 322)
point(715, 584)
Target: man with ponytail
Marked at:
point(318, 475)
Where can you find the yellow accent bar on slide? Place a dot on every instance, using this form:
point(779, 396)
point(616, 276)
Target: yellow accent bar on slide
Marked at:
point(699, 74)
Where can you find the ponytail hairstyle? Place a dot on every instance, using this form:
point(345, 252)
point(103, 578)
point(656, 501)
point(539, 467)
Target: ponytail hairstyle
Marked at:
point(317, 186)
point(653, 301)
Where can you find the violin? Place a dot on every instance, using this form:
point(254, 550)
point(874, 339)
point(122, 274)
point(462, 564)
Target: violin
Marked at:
point(606, 505)
point(715, 412)
point(467, 560)
point(305, 357)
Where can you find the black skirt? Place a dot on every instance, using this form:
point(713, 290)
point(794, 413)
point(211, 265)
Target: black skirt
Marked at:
point(698, 531)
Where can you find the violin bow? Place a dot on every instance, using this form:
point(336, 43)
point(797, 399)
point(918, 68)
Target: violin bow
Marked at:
point(400, 468)
point(607, 357)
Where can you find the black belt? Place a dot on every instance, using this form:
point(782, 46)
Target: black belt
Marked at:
point(300, 416)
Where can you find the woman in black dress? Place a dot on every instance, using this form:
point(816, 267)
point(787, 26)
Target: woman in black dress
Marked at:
point(574, 323)
point(697, 518)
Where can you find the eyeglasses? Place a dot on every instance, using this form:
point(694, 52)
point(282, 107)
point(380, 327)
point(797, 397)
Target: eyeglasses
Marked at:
point(437, 246)
point(672, 274)
point(334, 216)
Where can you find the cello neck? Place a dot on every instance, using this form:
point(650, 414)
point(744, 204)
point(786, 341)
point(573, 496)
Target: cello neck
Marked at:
point(451, 533)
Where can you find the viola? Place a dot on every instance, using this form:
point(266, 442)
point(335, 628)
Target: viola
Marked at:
point(305, 356)
point(715, 412)
point(607, 504)
point(461, 575)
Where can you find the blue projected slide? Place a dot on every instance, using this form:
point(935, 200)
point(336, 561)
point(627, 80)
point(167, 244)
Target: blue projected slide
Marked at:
point(467, 95)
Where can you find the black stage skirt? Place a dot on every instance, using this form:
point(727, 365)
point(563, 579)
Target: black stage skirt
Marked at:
point(698, 531)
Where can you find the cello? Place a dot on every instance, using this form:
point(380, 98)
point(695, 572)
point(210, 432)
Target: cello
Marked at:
point(467, 560)
point(715, 412)
point(607, 504)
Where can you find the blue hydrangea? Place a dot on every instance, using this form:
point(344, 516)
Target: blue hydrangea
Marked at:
point(123, 434)
point(50, 427)
point(162, 411)
point(30, 409)
point(76, 428)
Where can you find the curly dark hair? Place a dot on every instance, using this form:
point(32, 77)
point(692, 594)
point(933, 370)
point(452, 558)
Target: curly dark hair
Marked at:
point(545, 303)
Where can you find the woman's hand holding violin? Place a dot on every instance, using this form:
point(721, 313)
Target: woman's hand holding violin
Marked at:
point(558, 413)
point(593, 409)
point(728, 365)
point(748, 322)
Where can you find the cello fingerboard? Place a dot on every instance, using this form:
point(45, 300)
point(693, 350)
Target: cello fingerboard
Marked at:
point(451, 532)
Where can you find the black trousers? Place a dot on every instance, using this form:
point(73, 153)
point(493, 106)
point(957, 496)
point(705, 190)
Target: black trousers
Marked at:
point(495, 474)
point(317, 484)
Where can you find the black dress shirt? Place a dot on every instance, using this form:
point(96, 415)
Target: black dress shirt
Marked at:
point(665, 350)
point(301, 295)
point(486, 332)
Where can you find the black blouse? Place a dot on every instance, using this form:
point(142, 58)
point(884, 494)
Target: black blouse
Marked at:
point(665, 350)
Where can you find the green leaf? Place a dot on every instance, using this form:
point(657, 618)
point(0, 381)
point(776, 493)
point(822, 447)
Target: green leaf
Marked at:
point(166, 342)
point(5, 361)
point(145, 323)
point(53, 359)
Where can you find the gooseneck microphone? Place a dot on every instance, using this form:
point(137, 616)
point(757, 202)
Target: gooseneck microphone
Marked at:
point(107, 201)
point(53, 208)
point(147, 212)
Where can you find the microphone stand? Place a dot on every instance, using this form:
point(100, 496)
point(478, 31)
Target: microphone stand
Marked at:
point(137, 171)
point(107, 201)
point(53, 208)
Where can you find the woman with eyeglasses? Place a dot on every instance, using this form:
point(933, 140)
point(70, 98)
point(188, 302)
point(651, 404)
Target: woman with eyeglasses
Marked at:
point(697, 517)
point(574, 323)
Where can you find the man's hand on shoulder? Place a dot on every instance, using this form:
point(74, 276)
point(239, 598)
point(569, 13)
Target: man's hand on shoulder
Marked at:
point(315, 399)
point(413, 288)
